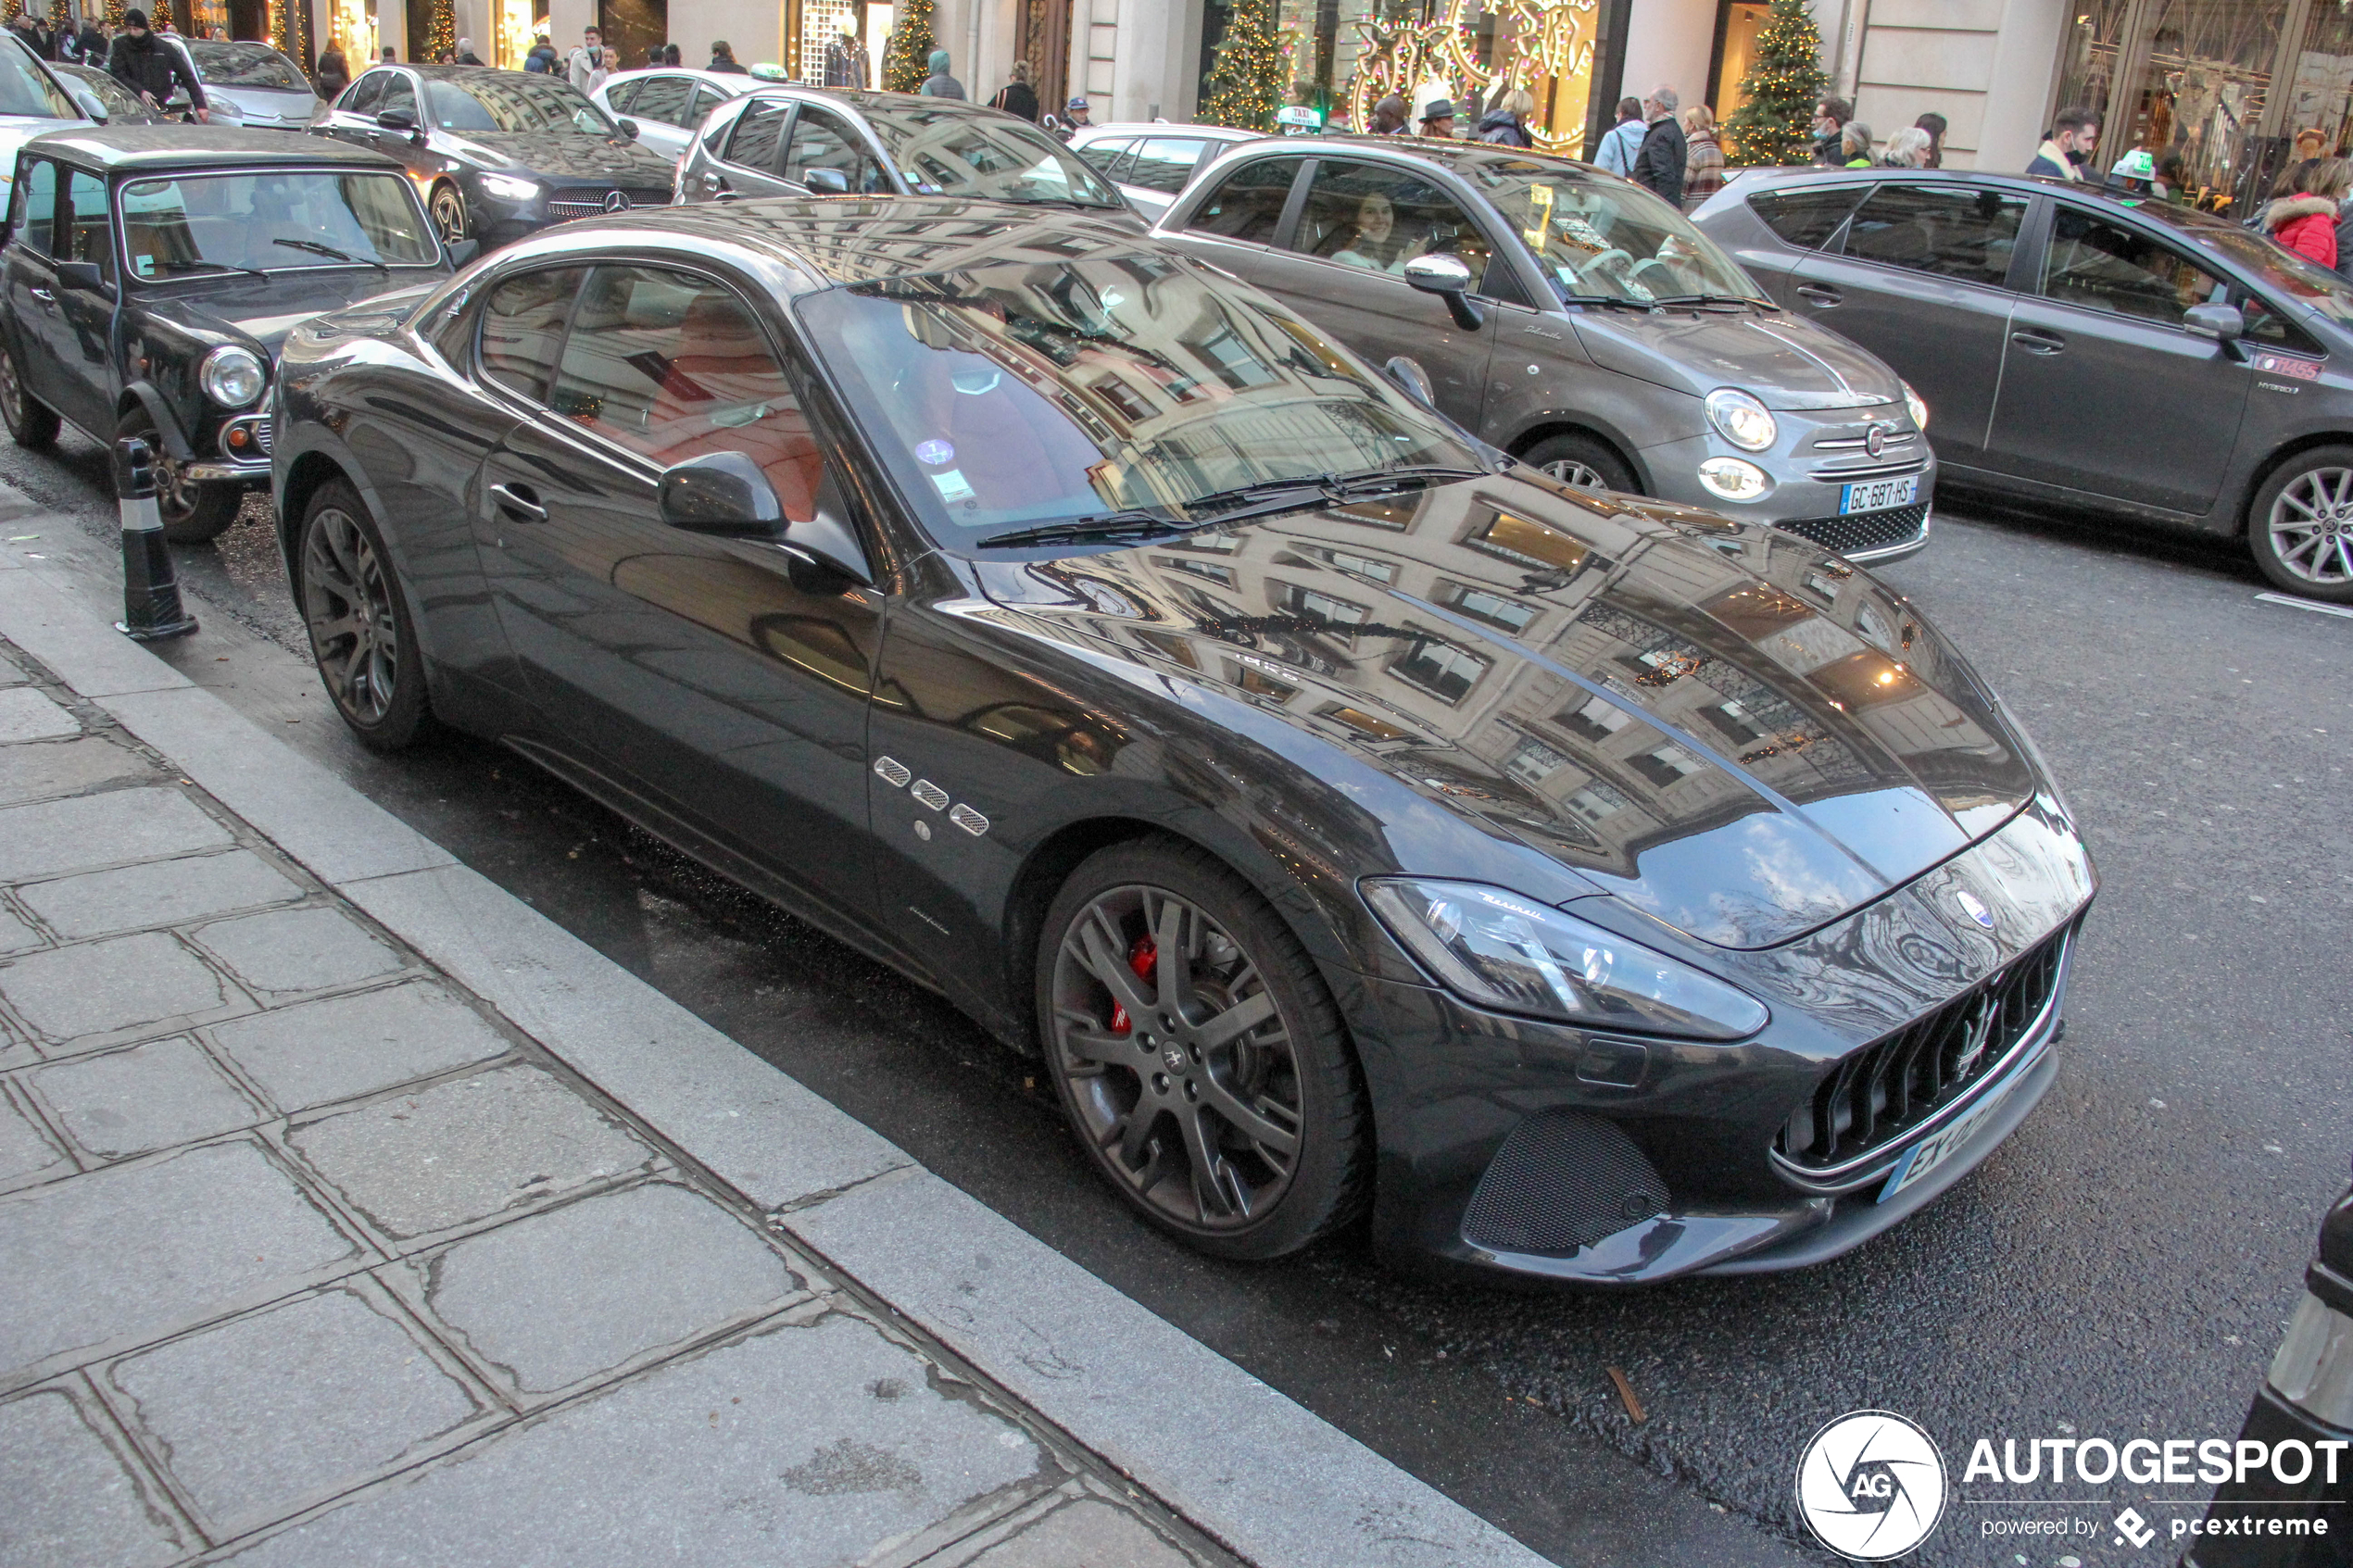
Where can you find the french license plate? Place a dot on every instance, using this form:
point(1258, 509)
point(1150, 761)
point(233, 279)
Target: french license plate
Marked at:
point(1931, 1152)
point(1879, 495)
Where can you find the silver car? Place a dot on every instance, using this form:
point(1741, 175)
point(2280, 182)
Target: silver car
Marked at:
point(247, 84)
point(1150, 163)
point(1578, 322)
point(669, 103)
point(823, 141)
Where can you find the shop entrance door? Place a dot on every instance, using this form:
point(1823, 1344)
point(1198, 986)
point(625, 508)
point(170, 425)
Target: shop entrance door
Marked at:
point(1045, 43)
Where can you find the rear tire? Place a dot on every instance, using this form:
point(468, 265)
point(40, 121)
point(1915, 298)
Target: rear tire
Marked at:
point(31, 424)
point(362, 637)
point(192, 513)
point(1586, 462)
point(2301, 528)
point(1198, 1054)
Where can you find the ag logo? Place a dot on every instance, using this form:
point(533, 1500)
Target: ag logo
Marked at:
point(1871, 1486)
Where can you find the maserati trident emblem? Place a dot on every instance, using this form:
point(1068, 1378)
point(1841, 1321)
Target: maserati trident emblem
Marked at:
point(1975, 907)
point(1174, 1058)
point(617, 201)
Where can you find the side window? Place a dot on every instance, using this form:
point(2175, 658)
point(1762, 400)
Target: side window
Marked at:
point(90, 234)
point(819, 141)
point(2101, 265)
point(1807, 216)
point(1104, 154)
point(1164, 163)
point(522, 322)
point(1249, 205)
point(366, 93)
point(673, 366)
point(699, 110)
point(2267, 325)
point(619, 98)
point(758, 130)
point(1373, 216)
point(400, 94)
point(1951, 231)
point(36, 214)
point(663, 99)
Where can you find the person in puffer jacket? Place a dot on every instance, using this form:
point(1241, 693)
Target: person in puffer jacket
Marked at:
point(2302, 217)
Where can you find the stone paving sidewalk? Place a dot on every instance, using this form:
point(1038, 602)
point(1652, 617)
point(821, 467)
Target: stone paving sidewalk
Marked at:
point(308, 1257)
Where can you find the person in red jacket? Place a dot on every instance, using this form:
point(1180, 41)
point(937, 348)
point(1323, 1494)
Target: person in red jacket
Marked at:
point(2303, 211)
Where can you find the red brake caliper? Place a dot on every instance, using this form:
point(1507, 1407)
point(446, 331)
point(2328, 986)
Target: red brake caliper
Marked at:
point(1144, 959)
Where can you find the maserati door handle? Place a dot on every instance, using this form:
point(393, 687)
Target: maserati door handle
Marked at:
point(518, 502)
point(1815, 294)
point(2038, 343)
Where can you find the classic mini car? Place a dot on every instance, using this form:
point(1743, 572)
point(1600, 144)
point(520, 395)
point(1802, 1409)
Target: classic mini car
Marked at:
point(1601, 889)
point(809, 141)
point(150, 273)
point(500, 152)
point(1578, 321)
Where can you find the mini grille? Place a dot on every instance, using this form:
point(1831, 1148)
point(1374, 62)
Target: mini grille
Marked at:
point(1563, 1180)
point(930, 794)
point(969, 820)
point(1864, 531)
point(265, 434)
point(1894, 1083)
point(893, 771)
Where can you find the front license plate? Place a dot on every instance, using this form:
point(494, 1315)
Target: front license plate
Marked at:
point(1879, 495)
point(1929, 1153)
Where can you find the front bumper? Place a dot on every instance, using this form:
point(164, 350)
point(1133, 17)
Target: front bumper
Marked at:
point(1539, 1152)
point(1809, 483)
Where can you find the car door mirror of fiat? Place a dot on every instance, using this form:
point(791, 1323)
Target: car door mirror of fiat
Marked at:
point(1448, 277)
point(2223, 323)
point(1409, 378)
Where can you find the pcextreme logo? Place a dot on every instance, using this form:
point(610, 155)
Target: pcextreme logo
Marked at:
point(1871, 1486)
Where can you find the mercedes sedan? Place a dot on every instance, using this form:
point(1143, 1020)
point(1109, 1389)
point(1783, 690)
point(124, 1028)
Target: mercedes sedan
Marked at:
point(1349, 817)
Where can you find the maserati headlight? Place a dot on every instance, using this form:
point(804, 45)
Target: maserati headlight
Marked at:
point(1496, 950)
point(1917, 405)
point(1742, 420)
point(508, 188)
point(232, 376)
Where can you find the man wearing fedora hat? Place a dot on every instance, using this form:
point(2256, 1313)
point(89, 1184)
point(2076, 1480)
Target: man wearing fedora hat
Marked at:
point(1439, 118)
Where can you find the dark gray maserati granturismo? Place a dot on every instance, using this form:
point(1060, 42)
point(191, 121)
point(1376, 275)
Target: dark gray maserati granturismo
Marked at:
point(1352, 818)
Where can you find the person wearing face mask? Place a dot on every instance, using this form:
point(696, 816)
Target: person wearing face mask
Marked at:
point(2075, 130)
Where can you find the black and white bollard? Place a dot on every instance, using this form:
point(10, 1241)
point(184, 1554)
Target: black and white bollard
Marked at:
point(151, 608)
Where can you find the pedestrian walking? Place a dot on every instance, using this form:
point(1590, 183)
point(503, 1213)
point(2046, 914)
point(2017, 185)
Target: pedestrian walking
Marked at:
point(1075, 117)
point(1437, 119)
point(1830, 116)
point(541, 61)
point(466, 55)
point(27, 30)
point(1389, 117)
point(1855, 144)
point(2074, 130)
point(1658, 162)
point(1017, 96)
point(1703, 155)
point(390, 59)
point(1622, 141)
point(584, 66)
point(1506, 123)
point(2303, 213)
point(332, 75)
point(1908, 148)
point(723, 60)
point(940, 83)
point(1935, 125)
point(84, 43)
point(151, 67)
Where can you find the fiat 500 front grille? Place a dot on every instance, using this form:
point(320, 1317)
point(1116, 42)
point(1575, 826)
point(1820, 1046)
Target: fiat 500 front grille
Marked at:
point(1893, 1084)
point(1862, 531)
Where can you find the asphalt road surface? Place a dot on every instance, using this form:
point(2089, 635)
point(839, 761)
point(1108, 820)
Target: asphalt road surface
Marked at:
point(2122, 1268)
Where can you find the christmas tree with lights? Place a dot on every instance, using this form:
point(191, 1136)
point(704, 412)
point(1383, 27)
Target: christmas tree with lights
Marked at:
point(1247, 84)
point(1775, 122)
point(906, 63)
point(441, 30)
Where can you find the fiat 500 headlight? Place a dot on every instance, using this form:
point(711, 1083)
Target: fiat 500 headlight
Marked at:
point(1917, 406)
point(1496, 950)
point(1742, 420)
point(232, 376)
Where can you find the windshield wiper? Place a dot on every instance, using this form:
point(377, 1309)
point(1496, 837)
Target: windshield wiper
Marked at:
point(316, 249)
point(1134, 527)
point(1242, 502)
point(1716, 299)
point(1623, 302)
point(175, 264)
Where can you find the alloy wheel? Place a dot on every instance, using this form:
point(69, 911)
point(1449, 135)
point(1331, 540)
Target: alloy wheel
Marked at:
point(11, 391)
point(1568, 470)
point(1180, 1063)
point(2311, 527)
point(448, 213)
point(347, 604)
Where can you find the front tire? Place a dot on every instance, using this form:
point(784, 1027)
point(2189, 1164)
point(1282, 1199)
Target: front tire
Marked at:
point(362, 636)
point(1198, 1053)
point(448, 210)
point(192, 513)
point(31, 424)
point(2301, 528)
point(1585, 461)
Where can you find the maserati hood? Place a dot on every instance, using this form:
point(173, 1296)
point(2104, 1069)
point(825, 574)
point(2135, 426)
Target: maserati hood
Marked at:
point(1786, 362)
point(1725, 726)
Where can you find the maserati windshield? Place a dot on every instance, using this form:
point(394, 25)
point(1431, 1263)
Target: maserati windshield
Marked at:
point(1039, 393)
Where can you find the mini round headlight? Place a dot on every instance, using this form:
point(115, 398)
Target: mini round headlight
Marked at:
point(1742, 420)
point(1731, 478)
point(232, 376)
point(1917, 404)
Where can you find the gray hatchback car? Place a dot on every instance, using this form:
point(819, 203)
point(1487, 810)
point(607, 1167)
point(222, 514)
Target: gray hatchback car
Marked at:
point(1580, 323)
